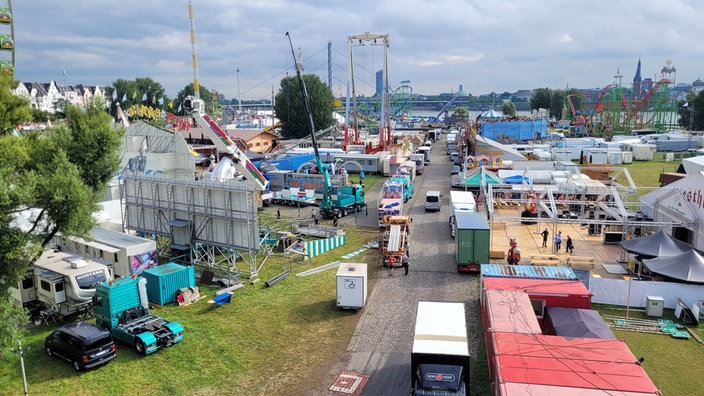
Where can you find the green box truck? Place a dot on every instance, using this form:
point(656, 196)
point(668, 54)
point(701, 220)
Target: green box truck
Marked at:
point(473, 241)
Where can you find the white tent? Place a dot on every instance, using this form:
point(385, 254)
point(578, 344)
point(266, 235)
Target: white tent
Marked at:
point(492, 114)
point(693, 165)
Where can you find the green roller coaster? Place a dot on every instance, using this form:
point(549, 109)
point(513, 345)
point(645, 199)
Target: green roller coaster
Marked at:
point(619, 110)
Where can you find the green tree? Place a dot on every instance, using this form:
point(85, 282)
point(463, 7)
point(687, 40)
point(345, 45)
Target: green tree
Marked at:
point(461, 112)
point(205, 96)
point(692, 114)
point(540, 99)
point(557, 104)
point(63, 174)
point(509, 108)
point(13, 109)
point(289, 108)
point(133, 91)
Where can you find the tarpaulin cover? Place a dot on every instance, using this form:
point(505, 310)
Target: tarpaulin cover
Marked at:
point(688, 267)
point(575, 363)
point(655, 245)
point(510, 310)
point(572, 322)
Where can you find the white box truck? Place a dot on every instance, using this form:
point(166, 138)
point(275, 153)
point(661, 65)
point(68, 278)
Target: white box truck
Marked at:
point(462, 201)
point(351, 285)
point(440, 355)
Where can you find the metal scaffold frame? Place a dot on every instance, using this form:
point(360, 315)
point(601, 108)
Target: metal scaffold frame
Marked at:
point(214, 222)
point(614, 204)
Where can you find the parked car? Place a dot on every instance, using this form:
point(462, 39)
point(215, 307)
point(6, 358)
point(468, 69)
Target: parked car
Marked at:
point(82, 344)
point(455, 170)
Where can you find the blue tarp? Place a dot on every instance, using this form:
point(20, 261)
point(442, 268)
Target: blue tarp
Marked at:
point(518, 130)
point(516, 179)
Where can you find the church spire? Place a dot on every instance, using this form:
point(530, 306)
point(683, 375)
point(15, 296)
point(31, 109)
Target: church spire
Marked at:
point(637, 78)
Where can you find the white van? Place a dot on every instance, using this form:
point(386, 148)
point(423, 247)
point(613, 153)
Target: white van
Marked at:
point(432, 201)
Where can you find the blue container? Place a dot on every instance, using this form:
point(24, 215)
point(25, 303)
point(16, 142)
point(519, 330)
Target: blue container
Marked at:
point(165, 280)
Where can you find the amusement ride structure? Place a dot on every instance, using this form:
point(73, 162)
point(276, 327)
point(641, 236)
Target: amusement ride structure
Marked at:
point(649, 105)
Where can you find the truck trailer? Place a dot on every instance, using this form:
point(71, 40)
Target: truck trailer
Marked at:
point(122, 307)
point(440, 355)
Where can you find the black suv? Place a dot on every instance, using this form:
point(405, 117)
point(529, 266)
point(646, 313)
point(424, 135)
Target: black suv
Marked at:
point(83, 344)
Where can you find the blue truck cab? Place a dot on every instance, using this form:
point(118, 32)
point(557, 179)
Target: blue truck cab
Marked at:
point(121, 307)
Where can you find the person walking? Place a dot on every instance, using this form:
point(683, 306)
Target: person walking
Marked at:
point(569, 247)
point(278, 214)
point(558, 242)
point(545, 234)
point(391, 265)
point(404, 263)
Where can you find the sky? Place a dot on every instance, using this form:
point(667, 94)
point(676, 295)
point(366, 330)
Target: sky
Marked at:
point(437, 45)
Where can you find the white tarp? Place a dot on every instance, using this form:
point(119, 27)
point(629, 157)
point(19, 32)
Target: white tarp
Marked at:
point(616, 291)
point(693, 165)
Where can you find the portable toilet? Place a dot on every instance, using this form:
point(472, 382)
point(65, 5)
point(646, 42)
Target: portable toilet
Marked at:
point(351, 285)
point(165, 280)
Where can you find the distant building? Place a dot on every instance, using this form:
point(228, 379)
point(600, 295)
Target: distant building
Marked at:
point(47, 96)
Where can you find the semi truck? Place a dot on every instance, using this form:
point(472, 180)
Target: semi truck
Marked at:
point(122, 307)
point(440, 354)
point(472, 241)
point(60, 282)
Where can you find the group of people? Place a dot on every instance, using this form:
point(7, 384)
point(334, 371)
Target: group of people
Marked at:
point(569, 246)
point(404, 264)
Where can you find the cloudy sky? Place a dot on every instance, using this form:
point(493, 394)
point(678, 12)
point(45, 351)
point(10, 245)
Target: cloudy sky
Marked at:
point(487, 46)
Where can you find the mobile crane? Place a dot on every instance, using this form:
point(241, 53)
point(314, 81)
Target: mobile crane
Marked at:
point(337, 202)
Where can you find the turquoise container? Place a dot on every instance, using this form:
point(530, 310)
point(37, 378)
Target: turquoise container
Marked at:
point(165, 280)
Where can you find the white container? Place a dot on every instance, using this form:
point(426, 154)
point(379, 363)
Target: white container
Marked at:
point(627, 157)
point(352, 285)
point(654, 306)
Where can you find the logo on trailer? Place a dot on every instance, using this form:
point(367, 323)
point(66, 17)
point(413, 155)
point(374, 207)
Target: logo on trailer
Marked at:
point(440, 377)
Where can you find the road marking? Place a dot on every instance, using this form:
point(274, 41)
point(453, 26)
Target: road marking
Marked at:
point(349, 383)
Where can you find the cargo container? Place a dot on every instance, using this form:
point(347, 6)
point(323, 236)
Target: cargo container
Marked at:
point(472, 241)
point(165, 280)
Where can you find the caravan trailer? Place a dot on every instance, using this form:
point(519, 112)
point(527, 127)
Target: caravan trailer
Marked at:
point(60, 282)
point(124, 254)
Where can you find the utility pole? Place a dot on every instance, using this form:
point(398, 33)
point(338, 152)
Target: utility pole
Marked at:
point(239, 99)
point(19, 351)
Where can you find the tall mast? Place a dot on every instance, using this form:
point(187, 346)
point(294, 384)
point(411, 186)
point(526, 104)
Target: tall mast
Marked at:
point(194, 58)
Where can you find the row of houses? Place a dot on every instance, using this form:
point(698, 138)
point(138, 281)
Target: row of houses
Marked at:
point(46, 96)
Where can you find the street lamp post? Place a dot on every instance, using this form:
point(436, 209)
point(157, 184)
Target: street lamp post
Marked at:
point(239, 99)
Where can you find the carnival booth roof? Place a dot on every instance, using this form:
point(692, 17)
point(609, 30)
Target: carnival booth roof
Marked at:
point(659, 244)
point(688, 267)
point(474, 177)
point(492, 114)
point(573, 322)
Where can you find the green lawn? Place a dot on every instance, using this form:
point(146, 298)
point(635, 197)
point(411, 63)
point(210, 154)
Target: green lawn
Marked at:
point(266, 341)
